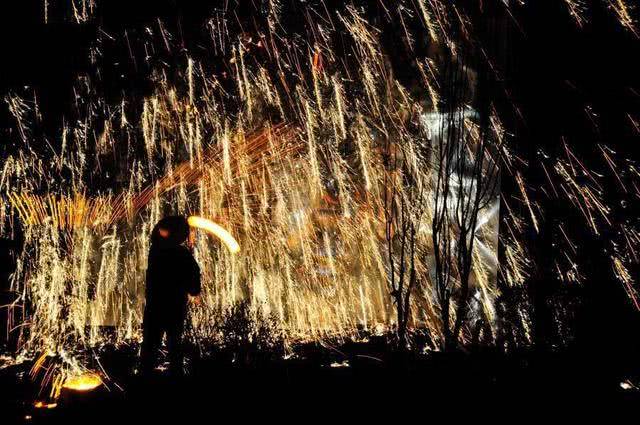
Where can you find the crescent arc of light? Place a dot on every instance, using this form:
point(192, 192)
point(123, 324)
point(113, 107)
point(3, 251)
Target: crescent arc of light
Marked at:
point(216, 230)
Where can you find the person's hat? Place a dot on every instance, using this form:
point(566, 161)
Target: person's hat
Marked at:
point(171, 230)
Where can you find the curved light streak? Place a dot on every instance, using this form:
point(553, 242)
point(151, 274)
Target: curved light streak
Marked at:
point(217, 230)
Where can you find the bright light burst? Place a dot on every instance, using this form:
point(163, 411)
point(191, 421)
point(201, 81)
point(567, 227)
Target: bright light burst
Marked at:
point(85, 382)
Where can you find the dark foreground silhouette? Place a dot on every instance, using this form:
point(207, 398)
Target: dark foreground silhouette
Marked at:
point(351, 380)
point(172, 275)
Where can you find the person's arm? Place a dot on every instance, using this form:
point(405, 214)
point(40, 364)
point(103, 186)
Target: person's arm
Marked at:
point(194, 281)
point(149, 276)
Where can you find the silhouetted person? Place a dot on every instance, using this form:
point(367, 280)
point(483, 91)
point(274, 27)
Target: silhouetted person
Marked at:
point(172, 275)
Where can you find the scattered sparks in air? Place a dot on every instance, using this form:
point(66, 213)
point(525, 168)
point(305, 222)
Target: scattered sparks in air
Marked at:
point(286, 152)
point(287, 149)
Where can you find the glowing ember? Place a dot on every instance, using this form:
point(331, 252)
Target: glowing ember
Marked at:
point(84, 382)
point(43, 405)
point(214, 229)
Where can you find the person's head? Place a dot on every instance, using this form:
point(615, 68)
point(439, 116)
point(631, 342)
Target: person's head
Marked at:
point(170, 231)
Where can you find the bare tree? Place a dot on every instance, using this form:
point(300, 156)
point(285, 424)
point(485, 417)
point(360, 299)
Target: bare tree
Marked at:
point(403, 198)
point(466, 181)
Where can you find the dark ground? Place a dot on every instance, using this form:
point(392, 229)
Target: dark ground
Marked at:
point(376, 382)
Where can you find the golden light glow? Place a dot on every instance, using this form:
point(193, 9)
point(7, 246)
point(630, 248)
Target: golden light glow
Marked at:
point(294, 171)
point(293, 151)
point(217, 230)
point(43, 405)
point(85, 382)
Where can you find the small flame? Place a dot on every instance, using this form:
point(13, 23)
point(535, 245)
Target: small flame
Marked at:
point(85, 382)
point(44, 405)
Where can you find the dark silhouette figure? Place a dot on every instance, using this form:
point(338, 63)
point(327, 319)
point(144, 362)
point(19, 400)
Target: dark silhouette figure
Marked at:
point(172, 275)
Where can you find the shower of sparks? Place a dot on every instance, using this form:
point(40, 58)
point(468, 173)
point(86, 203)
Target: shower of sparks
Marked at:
point(304, 196)
point(286, 150)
